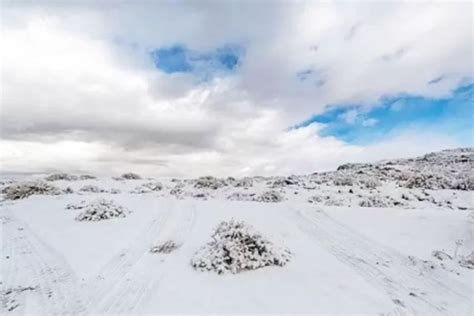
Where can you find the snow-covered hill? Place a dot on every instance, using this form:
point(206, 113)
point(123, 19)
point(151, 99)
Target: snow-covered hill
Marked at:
point(392, 238)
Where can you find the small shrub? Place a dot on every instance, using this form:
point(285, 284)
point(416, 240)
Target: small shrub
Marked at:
point(92, 189)
point(243, 183)
point(334, 202)
point(77, 206)
point(369, 182)
point(238, 196)
point(23, 190)
point(130, 176)
point(177, 191)
point(86, 177)
point(148, 188)
point(165, 247)
point(209, 183)
point(343, 181)
point(101, 209)
point(237, 247)
point(68, 190)
point(269, 197)
point(466, 184)
point(427, 181)
point(441, 255)
point(202, 196)
point(378, 201)
point(318, 198)
point(467, 261)
point(283, 182)
point(61, 176)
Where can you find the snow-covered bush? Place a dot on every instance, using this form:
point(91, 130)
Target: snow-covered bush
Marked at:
point(318, 198)
point(86, 177)
point(441, 255)
point(77, 206)
point(243, 183)
point(354, 166)
point(177, 191)
point(369, 182)
point(239, 196)
point(130, 176)
point(92, 189)
point(148, 187)
point(334, 202)
point(209, 182)
point(343, 181)
point(165, 247)
point(427, 181)
point(68, 190)
point(5, 184)
point(269, 197)
point(379, 201)
point(61, 176)
point(464, 261)
point(25, 189)
point(236, 247)
point(466, 184)
point(202, 196)
point(101, 209)
point(283, 182)
point(467, 261)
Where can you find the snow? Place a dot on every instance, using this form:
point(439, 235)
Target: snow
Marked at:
point(406, 251)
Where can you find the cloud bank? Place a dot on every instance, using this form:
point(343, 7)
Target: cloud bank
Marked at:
point(84, 87)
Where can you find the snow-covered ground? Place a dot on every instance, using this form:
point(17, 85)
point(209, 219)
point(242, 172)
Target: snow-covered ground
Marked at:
point(392, 238)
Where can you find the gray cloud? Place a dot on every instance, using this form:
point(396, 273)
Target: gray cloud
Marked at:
point(79, 85)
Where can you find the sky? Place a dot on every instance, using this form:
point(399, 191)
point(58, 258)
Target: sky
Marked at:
point(230, 88)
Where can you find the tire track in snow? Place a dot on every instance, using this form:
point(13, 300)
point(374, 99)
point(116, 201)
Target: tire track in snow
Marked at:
point(49, 273)
point(115, 269)
point(124, 293)
point(14, 271)
point(386, 269)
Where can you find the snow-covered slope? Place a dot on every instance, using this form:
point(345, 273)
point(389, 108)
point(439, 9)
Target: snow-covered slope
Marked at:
point(391, 238)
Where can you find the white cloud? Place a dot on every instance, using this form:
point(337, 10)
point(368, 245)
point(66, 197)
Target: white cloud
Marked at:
point(79, 91)
point(369, 122)
point(397, 105)
point(350, 117)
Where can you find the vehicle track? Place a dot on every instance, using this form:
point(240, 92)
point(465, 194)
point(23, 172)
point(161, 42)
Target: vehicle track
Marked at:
point(46, 269)
point(386, 269)
point(132, 283)
point(12, 262)
point(115, 269)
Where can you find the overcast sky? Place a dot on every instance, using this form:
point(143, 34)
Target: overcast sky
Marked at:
point(231, 87)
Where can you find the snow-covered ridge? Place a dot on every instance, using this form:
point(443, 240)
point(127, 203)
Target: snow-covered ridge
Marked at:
point(440, 179)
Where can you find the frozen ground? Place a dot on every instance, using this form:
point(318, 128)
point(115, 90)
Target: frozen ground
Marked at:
point(363, 241)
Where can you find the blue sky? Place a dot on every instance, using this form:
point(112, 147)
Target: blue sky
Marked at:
point(203, 64)
point(357, 124)
point(352, 123)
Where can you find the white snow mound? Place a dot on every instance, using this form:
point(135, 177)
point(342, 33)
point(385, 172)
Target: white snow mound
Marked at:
point(236, 247)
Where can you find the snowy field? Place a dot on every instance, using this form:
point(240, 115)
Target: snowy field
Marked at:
point(378, 247)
